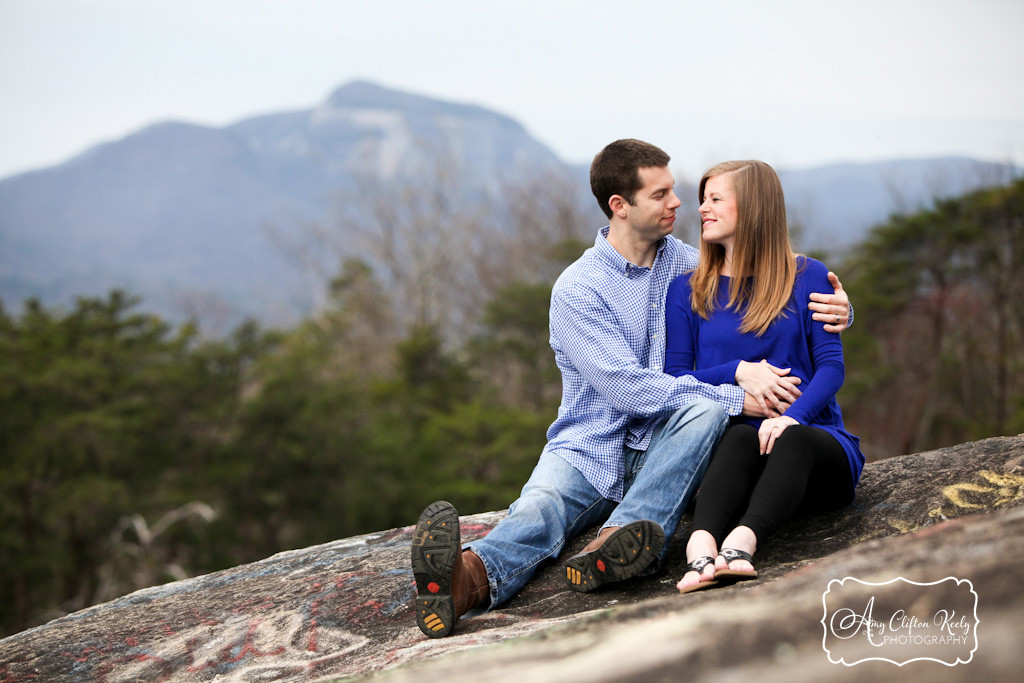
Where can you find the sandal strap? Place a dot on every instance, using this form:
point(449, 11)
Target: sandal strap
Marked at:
point(699, 564)
point(731, 554)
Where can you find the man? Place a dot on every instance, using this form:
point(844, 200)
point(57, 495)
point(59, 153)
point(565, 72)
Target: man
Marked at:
point(630, 443)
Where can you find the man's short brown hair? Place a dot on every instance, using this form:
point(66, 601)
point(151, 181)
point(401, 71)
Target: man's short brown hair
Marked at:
point(616, 170)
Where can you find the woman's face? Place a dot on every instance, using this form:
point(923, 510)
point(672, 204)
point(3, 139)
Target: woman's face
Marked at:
point(718, 211)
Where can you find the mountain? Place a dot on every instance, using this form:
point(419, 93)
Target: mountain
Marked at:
point(171, 208)
point(186, 215)
point(196, 219)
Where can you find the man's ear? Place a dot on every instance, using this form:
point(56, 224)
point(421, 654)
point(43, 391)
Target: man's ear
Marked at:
point(618, 205)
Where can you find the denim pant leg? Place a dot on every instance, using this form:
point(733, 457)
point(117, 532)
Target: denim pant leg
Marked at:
point(556, 505)
point(667, 475)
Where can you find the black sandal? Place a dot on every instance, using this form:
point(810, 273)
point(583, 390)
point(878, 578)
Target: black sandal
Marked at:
point(731, 554)
point(698, 566)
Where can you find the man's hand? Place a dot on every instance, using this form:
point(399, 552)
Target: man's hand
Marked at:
point(768, 386)
point(832, 309)
point(751, 408)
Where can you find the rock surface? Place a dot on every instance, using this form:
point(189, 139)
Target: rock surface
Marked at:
point(772, 630)
point(342, 609)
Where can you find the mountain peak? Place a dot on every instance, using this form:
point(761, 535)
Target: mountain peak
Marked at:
point(369, 95)
point(358, 92)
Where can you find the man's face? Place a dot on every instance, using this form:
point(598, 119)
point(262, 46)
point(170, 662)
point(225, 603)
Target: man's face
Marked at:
point(653, 211)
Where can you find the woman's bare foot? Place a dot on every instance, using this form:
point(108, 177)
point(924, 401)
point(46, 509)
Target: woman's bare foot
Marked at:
point(701, 544)
point(741, 538)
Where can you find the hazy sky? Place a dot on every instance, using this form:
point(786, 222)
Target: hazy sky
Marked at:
point(794, 83)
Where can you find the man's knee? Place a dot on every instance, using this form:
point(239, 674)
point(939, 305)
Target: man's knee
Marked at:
point(702, 413)
point(539, 499)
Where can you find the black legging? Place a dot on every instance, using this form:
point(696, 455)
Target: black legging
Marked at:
point(807, 470)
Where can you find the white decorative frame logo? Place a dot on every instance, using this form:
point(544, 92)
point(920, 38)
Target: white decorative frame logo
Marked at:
point(945, 630)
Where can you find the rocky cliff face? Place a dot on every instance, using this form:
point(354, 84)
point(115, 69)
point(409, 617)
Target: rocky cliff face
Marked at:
point(343, 609)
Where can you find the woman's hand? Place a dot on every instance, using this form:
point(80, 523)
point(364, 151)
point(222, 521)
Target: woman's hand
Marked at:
point(770, 387)
point(771, 429)
point(831, 309)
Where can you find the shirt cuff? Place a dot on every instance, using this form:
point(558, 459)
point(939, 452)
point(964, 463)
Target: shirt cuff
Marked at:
point(732, 398)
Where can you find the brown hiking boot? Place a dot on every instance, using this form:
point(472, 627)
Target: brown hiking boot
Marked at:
point(618, 553)
point(449, 582)
point(599, 541)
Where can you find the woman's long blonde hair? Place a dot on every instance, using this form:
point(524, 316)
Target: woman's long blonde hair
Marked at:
point(761, 249)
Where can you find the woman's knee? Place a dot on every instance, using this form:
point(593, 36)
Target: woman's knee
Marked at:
point(738, 450)
point(740, 437)
point(798, 444)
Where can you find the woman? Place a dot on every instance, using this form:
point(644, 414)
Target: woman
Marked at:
point(740, 306)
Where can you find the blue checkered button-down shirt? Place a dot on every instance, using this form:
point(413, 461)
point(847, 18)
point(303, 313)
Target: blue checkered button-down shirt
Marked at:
point(608, 332)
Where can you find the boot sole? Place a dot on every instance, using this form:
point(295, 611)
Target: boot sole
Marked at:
point(623, 555)
point(436, 546)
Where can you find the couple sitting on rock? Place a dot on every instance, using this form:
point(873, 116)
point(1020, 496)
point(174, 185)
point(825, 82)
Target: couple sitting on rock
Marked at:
point(668, 354)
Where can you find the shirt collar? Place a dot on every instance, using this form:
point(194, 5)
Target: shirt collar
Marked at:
point(617, 260)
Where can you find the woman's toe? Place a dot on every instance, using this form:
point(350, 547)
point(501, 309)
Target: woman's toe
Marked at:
point(689, 580)
point(735, 565)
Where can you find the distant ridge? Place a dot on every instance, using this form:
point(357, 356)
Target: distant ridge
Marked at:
point(182, 214)
point(837, 203)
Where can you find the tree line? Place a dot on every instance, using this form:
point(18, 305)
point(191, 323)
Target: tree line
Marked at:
point(936, 354)
point(135, 452)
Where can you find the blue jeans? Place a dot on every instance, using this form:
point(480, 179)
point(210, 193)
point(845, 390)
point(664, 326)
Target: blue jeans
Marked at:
point(558, 503)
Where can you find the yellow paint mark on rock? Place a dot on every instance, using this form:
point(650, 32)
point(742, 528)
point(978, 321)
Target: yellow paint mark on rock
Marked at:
point(956, 494)
point(1010, 487)
point(996, 490)
point(902, 526)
